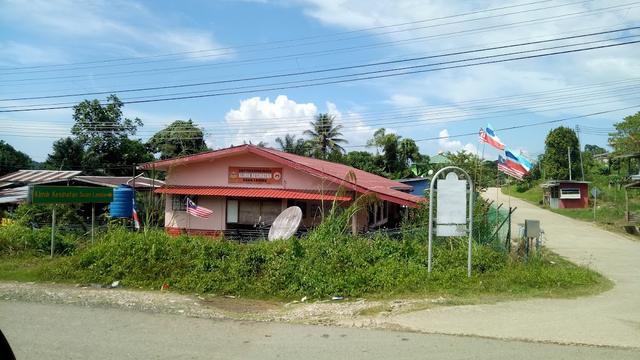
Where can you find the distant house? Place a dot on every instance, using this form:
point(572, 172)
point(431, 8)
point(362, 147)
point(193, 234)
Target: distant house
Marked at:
point(440, 160)
point(566, 194)
point(247, 185)
point(419, 184)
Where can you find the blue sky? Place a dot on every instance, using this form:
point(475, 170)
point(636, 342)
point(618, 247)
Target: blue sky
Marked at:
point(66, 47)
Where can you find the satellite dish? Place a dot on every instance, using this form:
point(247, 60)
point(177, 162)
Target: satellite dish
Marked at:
point(286, 224)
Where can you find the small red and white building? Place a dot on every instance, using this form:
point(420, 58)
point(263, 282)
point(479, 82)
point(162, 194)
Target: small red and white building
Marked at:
point(566, 194)
point(246, 185)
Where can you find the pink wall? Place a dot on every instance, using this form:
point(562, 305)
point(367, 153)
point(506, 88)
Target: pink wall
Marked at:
point(215, 173)
point(179, 219)
point(583, 202)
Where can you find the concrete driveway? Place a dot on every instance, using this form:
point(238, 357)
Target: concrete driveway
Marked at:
point(611, 318)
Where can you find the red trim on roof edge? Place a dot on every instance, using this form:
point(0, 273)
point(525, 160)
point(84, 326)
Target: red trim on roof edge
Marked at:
point(396, 196)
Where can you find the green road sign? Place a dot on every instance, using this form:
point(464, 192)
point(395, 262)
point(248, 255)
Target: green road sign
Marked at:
point(42, 194)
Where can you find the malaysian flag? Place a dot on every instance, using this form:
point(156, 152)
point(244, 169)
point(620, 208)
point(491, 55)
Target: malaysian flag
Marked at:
point(504, 167)
point(199, 211)
point(136, 219)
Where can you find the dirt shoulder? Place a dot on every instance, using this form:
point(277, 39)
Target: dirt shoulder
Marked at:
point(352, 312)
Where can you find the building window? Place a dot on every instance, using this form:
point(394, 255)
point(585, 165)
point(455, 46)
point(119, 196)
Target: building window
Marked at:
point(570, 193)
point(179, 202)
point(232, 211)
point(555, 192)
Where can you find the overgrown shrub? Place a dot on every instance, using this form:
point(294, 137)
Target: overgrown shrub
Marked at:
point(16, 238)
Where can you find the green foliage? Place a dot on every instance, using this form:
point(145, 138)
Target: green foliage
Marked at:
point(556, 159)
point(294, 145)
point(100, 144)
point(328, 261)
point(16, 238)
point(324, 137)
point(40, 215)
point(68, 153)
point(178, 139)
point(626, 138)
point(364, 160)
point(13, 160)
point(594, 149)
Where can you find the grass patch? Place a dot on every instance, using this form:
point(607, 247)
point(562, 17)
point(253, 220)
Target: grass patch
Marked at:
point(532, 195)
point(328, 261)
point(346, 266)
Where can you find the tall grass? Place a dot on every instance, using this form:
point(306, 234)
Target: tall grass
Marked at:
point(328, 261)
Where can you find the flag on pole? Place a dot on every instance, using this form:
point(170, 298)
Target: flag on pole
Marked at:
point(517, 162)
point(503, 167)
point(488, 136)
point(136, 220)
point(198, 211)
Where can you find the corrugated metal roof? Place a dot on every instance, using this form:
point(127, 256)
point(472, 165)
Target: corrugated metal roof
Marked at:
point(38, 176)
point(14, 195)
point(251, 193)
point(340, 174)
point(115, 181)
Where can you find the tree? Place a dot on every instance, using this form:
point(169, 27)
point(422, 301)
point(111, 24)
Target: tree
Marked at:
point(594, 149)
point(104, 135)
point(626, 138)
point(556, 159)
point(293, 145)
point(67, 154)
point(178, 139)
point(365, 161)
point(324, 136)
point(408, 152)
point(12, 160)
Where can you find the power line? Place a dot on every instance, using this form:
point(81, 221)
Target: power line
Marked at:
point(286, 40)
point(400, 116)
point(333, 51)
point(404, 123)
point(274, 87)
point(342, 68)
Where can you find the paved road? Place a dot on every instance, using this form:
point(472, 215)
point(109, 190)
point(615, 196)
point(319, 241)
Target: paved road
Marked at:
point(611, 318)
point(53, 331)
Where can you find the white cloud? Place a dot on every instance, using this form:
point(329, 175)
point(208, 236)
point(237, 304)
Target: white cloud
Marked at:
point(263, 120)
point(446, 144)
point(260, 119)
point(122, 27)
point(485, 81)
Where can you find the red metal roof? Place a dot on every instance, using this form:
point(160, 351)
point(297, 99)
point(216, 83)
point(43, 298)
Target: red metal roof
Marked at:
point(361, 181)
point(251, 193)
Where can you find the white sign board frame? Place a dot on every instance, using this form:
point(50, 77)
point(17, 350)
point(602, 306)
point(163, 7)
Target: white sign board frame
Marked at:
point(452, 220)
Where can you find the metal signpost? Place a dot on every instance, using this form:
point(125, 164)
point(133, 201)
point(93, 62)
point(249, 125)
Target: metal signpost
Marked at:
point(42, 194)
point(454, 210)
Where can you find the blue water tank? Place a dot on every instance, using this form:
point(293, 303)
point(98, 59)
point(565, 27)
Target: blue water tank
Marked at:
point(122, 204)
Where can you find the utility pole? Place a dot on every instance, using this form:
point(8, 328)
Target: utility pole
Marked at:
point(580, 151)
point(569, 154)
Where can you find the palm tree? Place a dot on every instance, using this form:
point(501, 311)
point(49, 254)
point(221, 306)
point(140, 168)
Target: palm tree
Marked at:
point(324, 137)
point(292, 145)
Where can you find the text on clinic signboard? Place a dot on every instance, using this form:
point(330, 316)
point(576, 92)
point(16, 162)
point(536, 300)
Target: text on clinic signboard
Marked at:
point(255, 175)
point(41, 194)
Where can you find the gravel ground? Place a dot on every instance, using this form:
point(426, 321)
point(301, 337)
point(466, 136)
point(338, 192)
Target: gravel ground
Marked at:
point(357, 312)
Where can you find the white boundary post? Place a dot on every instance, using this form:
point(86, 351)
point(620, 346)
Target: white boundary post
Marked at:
point(432, 189)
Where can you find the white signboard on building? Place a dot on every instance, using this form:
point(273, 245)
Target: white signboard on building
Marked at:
point(451, 216)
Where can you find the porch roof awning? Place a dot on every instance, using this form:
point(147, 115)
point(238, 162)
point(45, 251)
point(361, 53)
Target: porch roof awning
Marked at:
point(251, 193)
